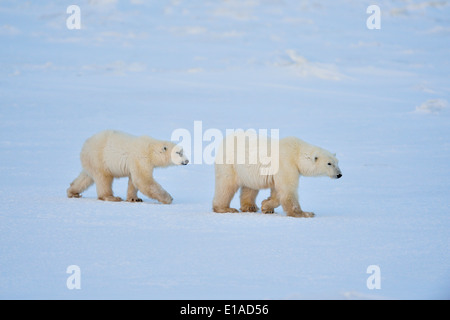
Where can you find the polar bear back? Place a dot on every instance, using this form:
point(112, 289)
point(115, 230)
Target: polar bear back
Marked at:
point(250, 155)
point(112, 151)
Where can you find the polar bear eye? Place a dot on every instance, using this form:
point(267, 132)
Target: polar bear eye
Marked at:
point(329, 163)
point(165, 148)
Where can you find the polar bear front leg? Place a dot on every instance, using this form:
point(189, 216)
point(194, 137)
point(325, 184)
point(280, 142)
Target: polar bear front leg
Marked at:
point(268, 205)
point(132, 192)
point(159, 193)
point(292, 207)
point(81, 183)
point(153, 190)
point(223, 197)
point(225, 189)
point(148, 186)
point(104, 188)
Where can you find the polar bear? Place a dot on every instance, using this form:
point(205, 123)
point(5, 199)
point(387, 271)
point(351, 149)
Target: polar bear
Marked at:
point(291, 158)
point(114, 154)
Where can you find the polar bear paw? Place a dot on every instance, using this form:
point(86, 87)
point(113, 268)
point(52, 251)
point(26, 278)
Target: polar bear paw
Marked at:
point(249, 208)
point(110, 198)
point(301, 214)
point(73, 194)
point(225, 210)
point(166, 199)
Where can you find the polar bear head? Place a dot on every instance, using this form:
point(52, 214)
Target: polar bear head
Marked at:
point(315, 161)
point(178, 156)
point(326, 164)
point(167, 153)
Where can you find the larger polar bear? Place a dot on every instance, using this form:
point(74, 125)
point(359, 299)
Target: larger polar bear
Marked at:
point(114, 154)
point(289, 158)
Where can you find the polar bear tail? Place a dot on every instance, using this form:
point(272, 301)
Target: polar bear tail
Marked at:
point(81, 183)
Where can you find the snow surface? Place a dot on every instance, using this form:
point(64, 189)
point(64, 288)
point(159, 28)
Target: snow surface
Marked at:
point(378, 98)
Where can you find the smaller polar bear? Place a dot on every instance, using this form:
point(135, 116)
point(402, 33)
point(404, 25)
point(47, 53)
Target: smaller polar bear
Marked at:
point(114, 154)
point(289, 159)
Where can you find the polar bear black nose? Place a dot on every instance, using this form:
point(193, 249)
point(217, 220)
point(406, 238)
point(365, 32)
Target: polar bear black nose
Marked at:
point(185, 162)
point(339, 175)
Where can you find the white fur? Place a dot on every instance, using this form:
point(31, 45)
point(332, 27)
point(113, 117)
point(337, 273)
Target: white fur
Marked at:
point(114, 154)
point(295, 158)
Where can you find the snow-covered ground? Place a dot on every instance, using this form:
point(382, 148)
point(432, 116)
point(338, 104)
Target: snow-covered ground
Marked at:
point(312, 69)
